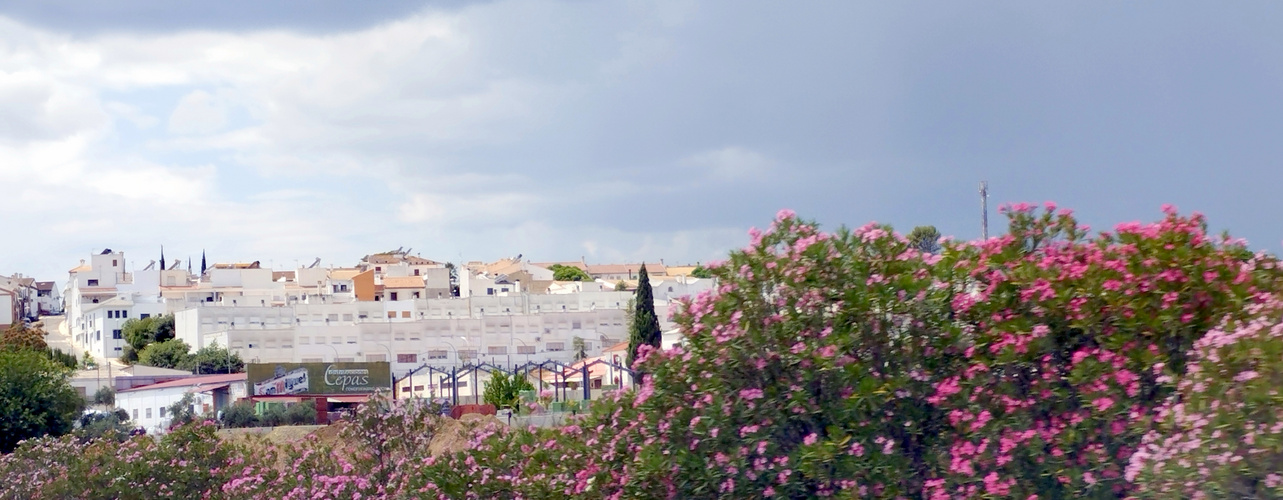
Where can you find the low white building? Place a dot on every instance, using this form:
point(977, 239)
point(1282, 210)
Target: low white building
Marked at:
point(148, 406)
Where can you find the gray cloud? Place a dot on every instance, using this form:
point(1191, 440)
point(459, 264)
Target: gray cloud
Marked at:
point(665, 129)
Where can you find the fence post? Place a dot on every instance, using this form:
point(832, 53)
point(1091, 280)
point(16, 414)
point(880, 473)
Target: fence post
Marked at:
point(587, 386)
point(454, 387)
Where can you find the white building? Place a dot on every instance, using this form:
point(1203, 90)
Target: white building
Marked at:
point(148, 406)
point(503, 330)
point(101, 295)
point(18, 300)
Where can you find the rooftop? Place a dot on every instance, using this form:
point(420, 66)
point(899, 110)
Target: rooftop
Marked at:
point(196, 382)
point(403, 282)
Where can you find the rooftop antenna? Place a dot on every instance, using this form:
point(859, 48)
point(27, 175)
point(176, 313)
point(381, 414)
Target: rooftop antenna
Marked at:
point(984, 210)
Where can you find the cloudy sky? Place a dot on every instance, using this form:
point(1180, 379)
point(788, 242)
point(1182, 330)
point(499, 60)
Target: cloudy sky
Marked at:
point(614, 130)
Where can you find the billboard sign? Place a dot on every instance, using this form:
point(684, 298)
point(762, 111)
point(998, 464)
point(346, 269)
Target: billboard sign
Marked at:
point(283, 379)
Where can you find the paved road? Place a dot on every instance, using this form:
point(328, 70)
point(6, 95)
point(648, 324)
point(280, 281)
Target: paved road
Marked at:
point(57, 336)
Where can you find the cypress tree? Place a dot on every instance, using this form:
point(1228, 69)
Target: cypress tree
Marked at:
point(162, 257)
point(202, 262)
point(645, 325)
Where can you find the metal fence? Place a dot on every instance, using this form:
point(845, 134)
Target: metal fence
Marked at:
point(563, 376)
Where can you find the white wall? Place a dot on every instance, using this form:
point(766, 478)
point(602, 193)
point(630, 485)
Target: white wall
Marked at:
point(138, 403)
point(6, 309)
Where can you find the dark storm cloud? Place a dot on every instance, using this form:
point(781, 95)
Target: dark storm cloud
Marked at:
point(893, 112)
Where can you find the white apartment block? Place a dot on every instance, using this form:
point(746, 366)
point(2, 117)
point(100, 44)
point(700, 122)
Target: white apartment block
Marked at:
point(503, 330)
point(386, 309)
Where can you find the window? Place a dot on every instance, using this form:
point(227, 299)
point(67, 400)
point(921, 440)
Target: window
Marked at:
point(375, 358)
point(392, 295)
point(405, 389)
point(162, 412)
point(418, 388)
point(347, 317)
point(135, 413)
point(407, 358)
point(437, 354)
point(378, 269)
point(148, 412)
point(313, 360)
point(391, 314)
point(93, 282)
point(342, 288)
point(331, 317)
point(304, 340)
point(115, 334)
point(342, 360)
point(416, 295)
point(98, 335)
point(525, 349)
point(113, 264)
point(556, 346)
point(576, 325)
point(497, 350)
point(144, 316)
point(489, 291)
point(467, 354)
point(405, 314)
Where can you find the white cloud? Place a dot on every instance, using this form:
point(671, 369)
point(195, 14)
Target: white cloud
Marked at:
point(132, 114)
point(198, 113)
point(267, 134)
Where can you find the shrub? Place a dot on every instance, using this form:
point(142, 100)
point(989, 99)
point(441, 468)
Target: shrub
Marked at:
point(112, 426)
point(504, 391)
point(240, 414)
point(303, 413)
point(1221, 434)
point(274, 415)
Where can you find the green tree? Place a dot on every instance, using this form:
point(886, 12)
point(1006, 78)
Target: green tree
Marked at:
point(701, 272)
point(139, 333)
point(580, 350)
point(214, 359)
point(644, 328)
point(36, 398)
point(183, 411)
point(568, 273)
point(105, 396)
point(20, 336)
point(173, 353)
point(62, 358)
point(925, 239)
point(504, 391)
point(87, 362)
point(621, 286)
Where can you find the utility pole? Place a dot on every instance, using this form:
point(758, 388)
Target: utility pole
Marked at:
point(984, 210)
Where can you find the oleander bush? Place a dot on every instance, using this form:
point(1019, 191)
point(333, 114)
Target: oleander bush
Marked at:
point(1221, 434)
point(1046, 363)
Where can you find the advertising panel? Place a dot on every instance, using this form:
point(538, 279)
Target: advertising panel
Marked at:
point(281, 379)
